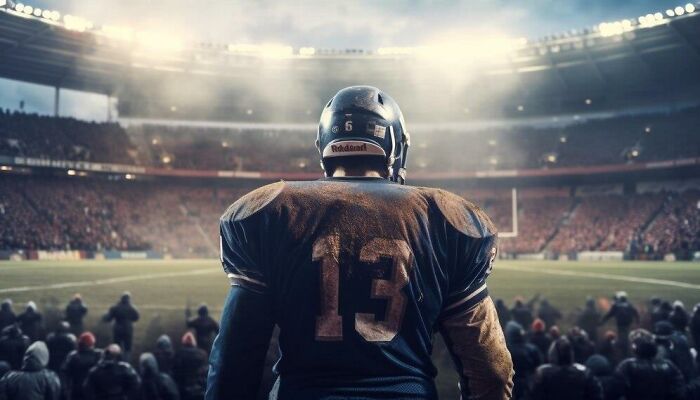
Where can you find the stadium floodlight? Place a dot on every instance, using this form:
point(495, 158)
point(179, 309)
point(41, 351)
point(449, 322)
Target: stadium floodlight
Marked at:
point(70, 172)
point(158, 43)
point(670, 13)
point(275, 51)
point(521, 107)
point(37, 12)
point(307, 51)
point(588, 102)
point(679, 11)
point(689, 8)
point(74, 23)
point(5, 168)
point(19, 7)
point(28, 10)
point(118, 32)
point(55, 15)
point(563, 139)
point(3, 3)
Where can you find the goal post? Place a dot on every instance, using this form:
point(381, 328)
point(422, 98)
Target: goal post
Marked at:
point(514, 216)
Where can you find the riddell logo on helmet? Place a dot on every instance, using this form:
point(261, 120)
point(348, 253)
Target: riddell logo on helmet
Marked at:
point(342, 148)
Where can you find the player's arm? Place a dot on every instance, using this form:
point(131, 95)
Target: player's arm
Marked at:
point(238, 356)
point(469, 321)
point(478, 348)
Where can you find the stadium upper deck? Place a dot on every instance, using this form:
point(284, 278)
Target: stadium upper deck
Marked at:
point(649, 60)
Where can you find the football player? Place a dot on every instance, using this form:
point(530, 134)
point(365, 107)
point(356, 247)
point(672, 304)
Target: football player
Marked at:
point(358, 271)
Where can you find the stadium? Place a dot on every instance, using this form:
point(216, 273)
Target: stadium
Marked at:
point(582, 147)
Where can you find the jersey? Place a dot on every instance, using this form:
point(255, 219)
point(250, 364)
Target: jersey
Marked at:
point(360, 272)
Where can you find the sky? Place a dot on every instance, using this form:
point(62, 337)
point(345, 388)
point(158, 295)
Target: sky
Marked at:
point(363, 24)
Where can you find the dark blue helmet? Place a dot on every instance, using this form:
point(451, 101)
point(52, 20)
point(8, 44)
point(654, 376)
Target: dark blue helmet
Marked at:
point(364, 121)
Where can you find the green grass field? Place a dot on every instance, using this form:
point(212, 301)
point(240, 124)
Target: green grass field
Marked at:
point(162, 289)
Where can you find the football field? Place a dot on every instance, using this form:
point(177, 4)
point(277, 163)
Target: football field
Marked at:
point(163, 289)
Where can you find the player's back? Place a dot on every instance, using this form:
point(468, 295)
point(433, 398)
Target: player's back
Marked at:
point(359, 271)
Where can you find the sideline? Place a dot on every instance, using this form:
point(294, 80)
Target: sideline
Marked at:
point(610, 277)
point(109, 281)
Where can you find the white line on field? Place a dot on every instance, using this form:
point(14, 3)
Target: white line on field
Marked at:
point(611, 277)
point(109, 281)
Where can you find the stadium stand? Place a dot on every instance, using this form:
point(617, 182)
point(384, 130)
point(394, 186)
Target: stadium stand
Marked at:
point(614, 140)
point(181, 219)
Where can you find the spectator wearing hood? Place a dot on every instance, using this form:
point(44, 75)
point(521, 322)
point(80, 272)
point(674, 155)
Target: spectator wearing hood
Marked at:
point(31, 322)
point(673, 346)
point(33, 381)
point(205, 328)
point(526, 358)
point(60, 344)
point(77, 365)
point(76, 311)
point(548, 313)
point(7, 315)
point(164, 354)
point(625, 314)
point(589, 318)
point(155, 385)
point(694, 326)
point(539, 337)
point(581, 345)
point(661, 312)
point(564, 379)
point(601, 368)
point(111, 379)
point(190, 369)
point(124, 314)
point(13, 344)
point(679, 317)
point(646, 377)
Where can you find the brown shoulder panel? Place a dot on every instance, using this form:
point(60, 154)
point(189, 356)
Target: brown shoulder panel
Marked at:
point(253, 201)
point(463, 215)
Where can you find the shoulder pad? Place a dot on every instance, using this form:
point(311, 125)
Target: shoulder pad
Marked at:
point(253, 202)
point(463, 215)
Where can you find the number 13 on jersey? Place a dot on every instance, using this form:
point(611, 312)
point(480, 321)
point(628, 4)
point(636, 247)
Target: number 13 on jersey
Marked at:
point(329, 325)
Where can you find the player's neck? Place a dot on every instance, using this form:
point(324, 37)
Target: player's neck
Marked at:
point(341, 172)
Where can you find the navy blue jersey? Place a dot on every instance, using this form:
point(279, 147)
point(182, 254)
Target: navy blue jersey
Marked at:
point(359, 272)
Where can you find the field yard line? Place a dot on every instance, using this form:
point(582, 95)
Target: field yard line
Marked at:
point(624, 278)
point(108, 281)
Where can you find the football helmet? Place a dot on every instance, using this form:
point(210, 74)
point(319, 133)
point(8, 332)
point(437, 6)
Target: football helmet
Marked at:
point(364, 121)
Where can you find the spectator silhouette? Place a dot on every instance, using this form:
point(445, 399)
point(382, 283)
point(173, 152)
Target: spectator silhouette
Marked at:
point(7, 315)
point(31, 322)
point(13, 344)
point(33, 381)
point(77, 366)
point(155, 385)
point(76, 311)
point(112, 379)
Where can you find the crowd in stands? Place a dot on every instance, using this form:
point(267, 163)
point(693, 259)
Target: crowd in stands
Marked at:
point(647, 352)
point(32, 135)
point(44, 213)
point(613, 140)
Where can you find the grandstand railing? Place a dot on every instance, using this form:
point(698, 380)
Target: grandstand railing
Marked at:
point(9, 163)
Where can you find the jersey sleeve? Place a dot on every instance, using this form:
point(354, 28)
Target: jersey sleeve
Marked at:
point(246, 232)
point(240, 256)
point(471, 251)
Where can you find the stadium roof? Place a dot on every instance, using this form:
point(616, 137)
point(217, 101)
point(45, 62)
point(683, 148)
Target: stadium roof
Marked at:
point(655, 58)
